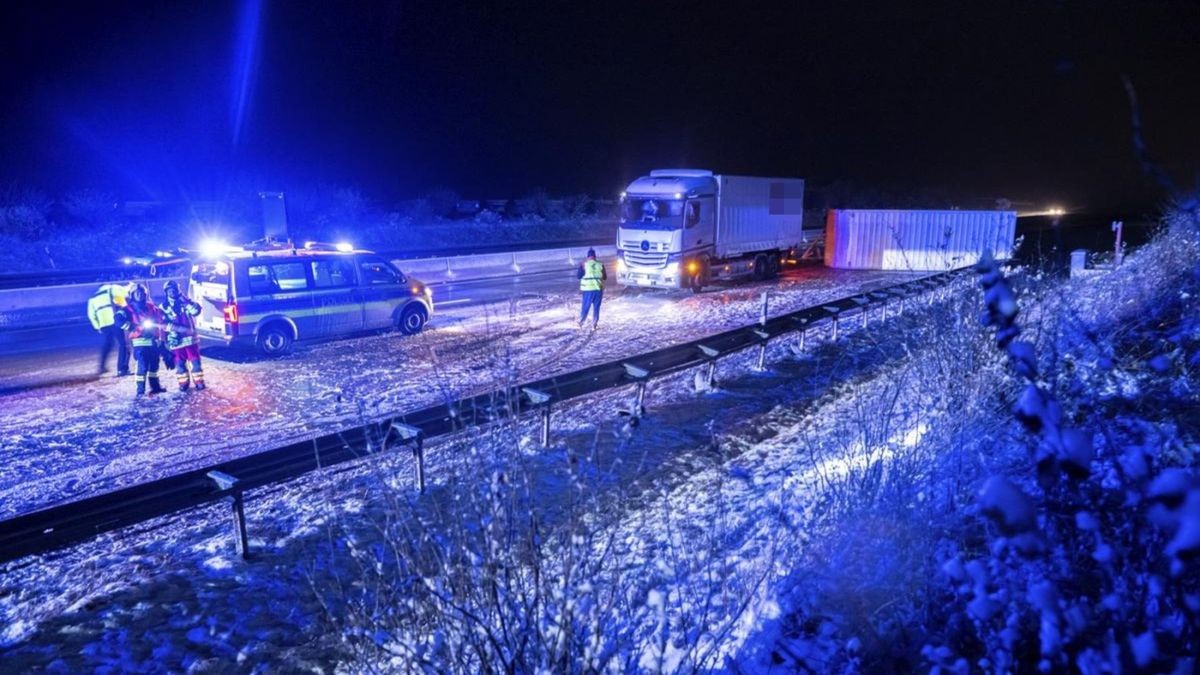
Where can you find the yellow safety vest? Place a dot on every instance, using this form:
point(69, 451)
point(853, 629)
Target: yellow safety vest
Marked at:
point(101, 305)
point(593, 276)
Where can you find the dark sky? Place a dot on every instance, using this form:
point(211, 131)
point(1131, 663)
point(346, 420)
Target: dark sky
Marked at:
point(979, 100)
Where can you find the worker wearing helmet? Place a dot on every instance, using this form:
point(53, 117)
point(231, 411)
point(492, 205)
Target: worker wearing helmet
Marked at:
point(180, 313)
point(105, 309)
point(144, 322)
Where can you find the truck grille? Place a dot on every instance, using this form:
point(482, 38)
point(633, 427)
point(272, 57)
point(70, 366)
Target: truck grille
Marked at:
point(654, 256)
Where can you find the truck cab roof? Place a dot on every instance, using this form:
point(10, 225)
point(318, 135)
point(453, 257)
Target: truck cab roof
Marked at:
point(673, 184)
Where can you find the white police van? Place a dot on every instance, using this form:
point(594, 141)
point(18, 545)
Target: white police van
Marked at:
point(271, 295)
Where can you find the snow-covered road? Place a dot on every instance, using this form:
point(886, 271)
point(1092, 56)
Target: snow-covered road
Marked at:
point(63, 442)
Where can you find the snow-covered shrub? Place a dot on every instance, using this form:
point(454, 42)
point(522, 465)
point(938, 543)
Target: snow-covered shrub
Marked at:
point(525, 560)
point(1091, 558)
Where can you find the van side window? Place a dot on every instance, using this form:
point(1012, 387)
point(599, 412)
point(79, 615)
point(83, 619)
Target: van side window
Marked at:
point(376, 271)
point(277, 277)
point(332, 272)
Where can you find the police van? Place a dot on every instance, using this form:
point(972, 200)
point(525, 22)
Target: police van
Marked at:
point(269, 296)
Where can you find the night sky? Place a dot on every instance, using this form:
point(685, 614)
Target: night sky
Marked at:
point(1021, 100)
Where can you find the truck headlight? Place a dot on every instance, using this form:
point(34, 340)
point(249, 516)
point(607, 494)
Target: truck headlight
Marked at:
point(671, 268)
point(620, 265)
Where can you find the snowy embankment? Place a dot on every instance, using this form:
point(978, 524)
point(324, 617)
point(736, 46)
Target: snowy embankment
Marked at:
point(812, 516)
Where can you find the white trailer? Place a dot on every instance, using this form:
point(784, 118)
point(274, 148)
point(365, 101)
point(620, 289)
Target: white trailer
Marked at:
point(683, 228)
point(923, 241)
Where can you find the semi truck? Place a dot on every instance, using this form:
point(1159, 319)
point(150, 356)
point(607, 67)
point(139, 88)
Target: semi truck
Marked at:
point(685, 228)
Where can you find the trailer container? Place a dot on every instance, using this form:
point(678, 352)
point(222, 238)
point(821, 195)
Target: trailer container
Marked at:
point(923, 241)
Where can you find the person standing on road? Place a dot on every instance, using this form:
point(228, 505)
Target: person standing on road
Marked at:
point(591, 284)
point(144, 322)
point(180, 313)
point(105, 309)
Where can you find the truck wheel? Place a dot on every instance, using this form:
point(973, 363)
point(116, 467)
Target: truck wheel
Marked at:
point(275, 340)
point(773, 266)
point(761, 267)
point(697, 280)
point(411, 320)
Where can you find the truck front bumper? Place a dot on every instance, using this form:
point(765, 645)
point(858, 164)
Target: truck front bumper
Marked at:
point(648, 278)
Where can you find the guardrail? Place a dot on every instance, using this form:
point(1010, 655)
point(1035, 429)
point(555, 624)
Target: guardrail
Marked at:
point(99, 275)
point(59, 526)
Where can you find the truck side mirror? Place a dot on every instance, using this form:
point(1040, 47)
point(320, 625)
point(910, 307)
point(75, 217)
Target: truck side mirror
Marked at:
point(693, 214)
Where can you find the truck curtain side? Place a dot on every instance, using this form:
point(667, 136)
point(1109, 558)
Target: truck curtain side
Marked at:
point(683, 228)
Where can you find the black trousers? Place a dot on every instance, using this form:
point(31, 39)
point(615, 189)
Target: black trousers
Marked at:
point(114, 336)
point(147, 368)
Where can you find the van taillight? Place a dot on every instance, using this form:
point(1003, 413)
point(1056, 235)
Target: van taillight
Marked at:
point(231, 313)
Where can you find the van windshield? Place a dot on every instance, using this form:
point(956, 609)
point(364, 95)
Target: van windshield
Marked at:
point(216, 272)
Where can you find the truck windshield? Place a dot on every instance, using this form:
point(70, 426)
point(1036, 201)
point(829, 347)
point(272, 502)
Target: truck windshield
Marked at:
point(637, 209)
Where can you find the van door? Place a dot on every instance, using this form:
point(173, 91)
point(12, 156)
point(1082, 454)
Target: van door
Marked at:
point(278, 289)
point(209, 285)
point(383, 289)
point(336, 304)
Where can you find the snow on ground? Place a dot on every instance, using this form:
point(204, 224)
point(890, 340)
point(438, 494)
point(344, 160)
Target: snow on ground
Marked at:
point(172, 597)
point(66, 442)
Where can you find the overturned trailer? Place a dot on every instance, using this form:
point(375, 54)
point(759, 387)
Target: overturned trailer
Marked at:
point(922, 241)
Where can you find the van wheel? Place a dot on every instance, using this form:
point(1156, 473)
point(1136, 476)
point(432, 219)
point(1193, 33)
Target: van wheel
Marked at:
point(411, 320)
point(275, 340)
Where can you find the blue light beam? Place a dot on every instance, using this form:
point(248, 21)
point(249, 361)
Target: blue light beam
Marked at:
point(245, 64)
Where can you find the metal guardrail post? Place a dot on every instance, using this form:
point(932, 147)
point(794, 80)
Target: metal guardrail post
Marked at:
point(640, 375)
point(863, 303)
point(226, 482)
point(835, 312)
point(802, 321)
point(542, 400)
point(411, 435)
point(711, 369)
point(882, 299)
point(764, 336)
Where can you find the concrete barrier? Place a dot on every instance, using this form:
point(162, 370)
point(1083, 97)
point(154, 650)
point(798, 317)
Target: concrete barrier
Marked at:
point(47, 305)
point(460, 267)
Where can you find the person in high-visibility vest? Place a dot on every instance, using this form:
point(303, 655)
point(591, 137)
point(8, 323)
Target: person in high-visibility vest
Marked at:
point(144, 322)
point(182, 339)
point(104, 310)
point(591, 284)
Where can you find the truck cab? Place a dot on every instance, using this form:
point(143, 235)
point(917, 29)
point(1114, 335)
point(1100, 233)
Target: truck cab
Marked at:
point(683, 228)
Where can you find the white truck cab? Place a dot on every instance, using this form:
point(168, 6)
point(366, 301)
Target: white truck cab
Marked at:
point(683, 228)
